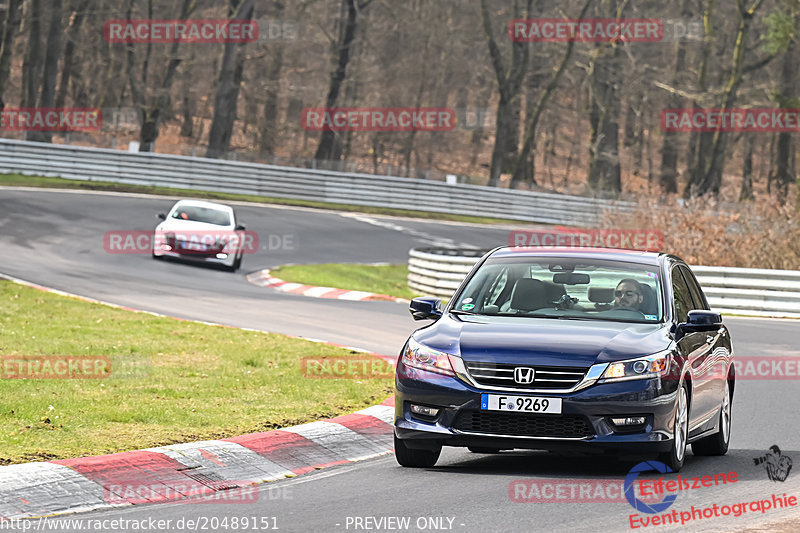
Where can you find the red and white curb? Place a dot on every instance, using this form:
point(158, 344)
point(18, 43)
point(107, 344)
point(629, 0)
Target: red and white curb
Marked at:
point(213, 471)
point(263, 278)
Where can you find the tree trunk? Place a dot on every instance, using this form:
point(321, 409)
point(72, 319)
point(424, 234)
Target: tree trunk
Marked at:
point(746, 193)
point(52, 53)
point(604, 164)
point(76, 20)
point(328, 148)
point(669, 146)
point(151, 114)
point(708, 179)
point(270, 126)
point(528, 143)
point(509, 84)
point(32, 64)
point(700, 142)
point(10, 26)
point(228, 84)
point(268, 130)
point(187, 108)
point(787, 98)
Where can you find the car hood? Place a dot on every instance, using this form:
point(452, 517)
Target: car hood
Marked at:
point(190, 225)
point(542, 341)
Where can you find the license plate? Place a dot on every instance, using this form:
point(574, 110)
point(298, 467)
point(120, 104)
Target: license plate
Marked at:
point(524, 404)
point(195, 246)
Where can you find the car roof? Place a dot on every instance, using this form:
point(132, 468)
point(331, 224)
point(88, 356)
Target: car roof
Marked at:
point(201, 203)
point(609, 254)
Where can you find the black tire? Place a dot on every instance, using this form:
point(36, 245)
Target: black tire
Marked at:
point(717, 444)
point(411, 458)
point(677, 455)
point(479, 449)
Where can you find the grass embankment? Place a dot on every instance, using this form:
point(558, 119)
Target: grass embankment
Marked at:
point(18, 180)
point(171, 381)
point(381, 279)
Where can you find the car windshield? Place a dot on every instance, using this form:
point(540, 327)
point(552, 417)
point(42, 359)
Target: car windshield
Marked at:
point(202, 214)
point(567, 288)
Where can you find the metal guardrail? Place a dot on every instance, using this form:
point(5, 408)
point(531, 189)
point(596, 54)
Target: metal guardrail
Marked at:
point(745, 291)
point(185, 172)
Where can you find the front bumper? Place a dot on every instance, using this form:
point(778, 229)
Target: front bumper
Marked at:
point(583, 425)
point(168, 248)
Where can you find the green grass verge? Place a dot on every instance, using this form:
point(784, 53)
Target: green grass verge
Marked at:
point(382, 279)
point(18, 180)
point(171, 381)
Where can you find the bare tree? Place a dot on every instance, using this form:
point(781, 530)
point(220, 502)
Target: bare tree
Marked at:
point(509, 83)
point(152, 111)
point(78, 9)
point(230, 79)
point(786, 94)
point(10, 25)
point(52, 53)
point(328, 149)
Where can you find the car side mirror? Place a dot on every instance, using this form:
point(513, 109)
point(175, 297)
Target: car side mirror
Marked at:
point(701, 320)
point(162, 216)
point(425, 307)
point(240, 227)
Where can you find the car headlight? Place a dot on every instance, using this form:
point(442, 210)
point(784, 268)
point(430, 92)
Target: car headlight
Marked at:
point(420, 356)
point(641, 368)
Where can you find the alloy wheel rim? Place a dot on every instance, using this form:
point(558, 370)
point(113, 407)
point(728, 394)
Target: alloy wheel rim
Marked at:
point(726, 414)
point(681, 423)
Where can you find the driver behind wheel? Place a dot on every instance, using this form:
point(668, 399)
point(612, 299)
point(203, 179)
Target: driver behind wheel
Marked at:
point(628, 294)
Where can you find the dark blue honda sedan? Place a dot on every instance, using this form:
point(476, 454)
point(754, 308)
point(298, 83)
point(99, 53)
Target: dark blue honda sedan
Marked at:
point(588, 350)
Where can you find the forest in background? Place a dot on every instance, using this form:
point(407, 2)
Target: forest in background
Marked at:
point(577, 117)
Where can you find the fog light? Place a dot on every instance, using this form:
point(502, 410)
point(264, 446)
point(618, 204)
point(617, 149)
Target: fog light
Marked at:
point(424, 411)
point(222, 256)
point(628, 421)
point(166, 247)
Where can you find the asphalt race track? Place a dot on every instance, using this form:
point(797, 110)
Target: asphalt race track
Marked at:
point(56, 239)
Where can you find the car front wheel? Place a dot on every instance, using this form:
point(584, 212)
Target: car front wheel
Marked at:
point(676, 456)
point(415, 458)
